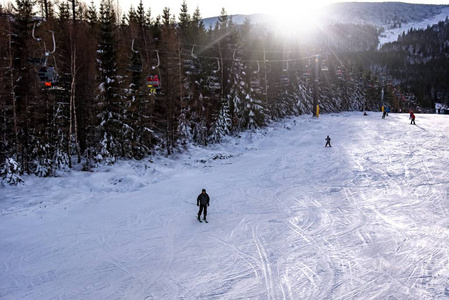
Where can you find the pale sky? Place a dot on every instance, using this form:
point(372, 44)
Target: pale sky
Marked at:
point(210, 8)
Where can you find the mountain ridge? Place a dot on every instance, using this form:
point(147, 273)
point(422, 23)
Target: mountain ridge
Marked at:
point(393, 17)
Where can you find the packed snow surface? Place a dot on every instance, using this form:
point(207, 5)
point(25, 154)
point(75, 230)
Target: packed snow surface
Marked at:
point(289, 218)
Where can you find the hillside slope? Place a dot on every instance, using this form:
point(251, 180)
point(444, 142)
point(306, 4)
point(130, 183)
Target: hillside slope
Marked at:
point(393, 17)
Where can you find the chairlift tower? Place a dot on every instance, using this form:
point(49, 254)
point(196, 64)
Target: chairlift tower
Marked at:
point(323, 67)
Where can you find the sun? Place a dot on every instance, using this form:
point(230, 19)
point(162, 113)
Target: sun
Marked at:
point(297, 17)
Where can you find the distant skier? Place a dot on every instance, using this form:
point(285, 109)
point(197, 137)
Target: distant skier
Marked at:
point(412, 118)
point(203, 202)
point(328, 141)
point(384, 114)
point(388, 110)
point(365, 114)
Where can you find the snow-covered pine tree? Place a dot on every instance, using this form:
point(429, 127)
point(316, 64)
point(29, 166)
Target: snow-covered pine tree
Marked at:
point(184, 127)
point(111, 125)
point(239, 88)
point(254, 113)
point(222, 125)
point(222, 78)
point(91, 14)
point(139, 106)
point(10, 173)
point(193, 111)
point(253, 86)
point(186, 72)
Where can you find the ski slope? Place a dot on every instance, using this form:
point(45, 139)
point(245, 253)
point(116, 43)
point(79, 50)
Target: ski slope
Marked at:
point(289, 219)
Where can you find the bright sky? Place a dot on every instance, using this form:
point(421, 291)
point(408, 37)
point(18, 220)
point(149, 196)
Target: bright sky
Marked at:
point(211, 8)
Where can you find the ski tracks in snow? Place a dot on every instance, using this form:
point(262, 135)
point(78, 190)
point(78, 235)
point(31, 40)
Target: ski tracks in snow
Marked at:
point(265, 263)
point(290, 219)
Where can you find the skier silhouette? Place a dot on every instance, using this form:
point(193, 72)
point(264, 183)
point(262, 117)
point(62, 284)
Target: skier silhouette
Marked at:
point(328, 141)
point(203, 202)
point(412, 118)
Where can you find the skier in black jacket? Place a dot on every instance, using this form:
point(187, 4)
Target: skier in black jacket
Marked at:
point(203, 202)
point(328, 141)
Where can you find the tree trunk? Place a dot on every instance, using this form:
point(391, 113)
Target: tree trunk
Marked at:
point(13, 94)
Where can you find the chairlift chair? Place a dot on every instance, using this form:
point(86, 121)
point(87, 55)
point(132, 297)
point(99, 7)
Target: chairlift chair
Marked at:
point(284, 79)
point(324, 66)
point(307, 74)
point(214, 82)
point(308, 70)
point(136, 66)
point(154, 80)
point(38, 59)
point(214, 85)
point(188, 66)
point(46, 74)
point(193, 65)
point(340, 71)
point(255, 80)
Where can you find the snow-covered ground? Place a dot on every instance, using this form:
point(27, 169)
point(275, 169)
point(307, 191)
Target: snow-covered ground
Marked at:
point(289, 219)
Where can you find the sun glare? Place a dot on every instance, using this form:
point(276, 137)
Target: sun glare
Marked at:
point(298, 18)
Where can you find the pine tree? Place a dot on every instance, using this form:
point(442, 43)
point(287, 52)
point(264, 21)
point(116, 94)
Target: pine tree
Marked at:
point(223, 123)
point(198, 25)
point(24, 81)
point(254, 113)
point(91, 14)
point(193, 100)
point(10, 173)
point(148, 18)
point(140, 107)
point(184, 127)
point(8, 126)
point(184, 23)
point(140, 16)
point(111, 110)
point(168, 104)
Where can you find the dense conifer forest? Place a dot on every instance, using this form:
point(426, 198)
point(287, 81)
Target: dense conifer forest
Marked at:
point(84, 86)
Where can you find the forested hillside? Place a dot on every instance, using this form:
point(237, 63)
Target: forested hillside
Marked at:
point(420, 59)
point(81, 83)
